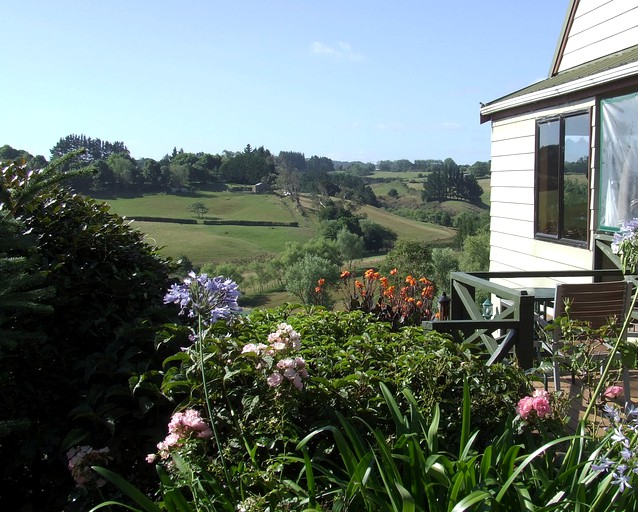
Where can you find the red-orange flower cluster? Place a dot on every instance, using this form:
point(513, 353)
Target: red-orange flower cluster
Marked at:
point(402, 303)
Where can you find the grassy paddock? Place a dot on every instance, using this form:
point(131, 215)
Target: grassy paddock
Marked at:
point(407, 175)
point(408, 229)
point(221, 206)
point(216, 244)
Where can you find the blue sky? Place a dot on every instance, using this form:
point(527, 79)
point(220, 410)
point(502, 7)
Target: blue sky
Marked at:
point(351, 80)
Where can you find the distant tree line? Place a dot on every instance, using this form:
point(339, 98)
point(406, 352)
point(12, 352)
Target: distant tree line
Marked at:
point(479, 169)
point(113, 170)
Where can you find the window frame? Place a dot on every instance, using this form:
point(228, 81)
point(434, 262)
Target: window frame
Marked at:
point(560, 238)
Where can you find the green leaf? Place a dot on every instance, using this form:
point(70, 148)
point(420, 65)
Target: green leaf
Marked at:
point(136, 495)
point(470, 500)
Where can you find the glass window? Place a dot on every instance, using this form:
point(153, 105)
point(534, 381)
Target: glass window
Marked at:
point(618, 160)
point(561, 177)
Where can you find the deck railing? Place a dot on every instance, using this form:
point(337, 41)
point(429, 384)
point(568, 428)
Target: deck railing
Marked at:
point(512, 327)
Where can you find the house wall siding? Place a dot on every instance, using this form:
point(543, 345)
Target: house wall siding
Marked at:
point(600, 27)
point(512, 242)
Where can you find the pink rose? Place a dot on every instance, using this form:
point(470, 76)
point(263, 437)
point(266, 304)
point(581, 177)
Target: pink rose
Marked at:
point(525, 407)
point(274, 380)
point(613, 391)
point(541, 406)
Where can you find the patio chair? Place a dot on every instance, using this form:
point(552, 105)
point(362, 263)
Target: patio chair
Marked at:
point(596, 304)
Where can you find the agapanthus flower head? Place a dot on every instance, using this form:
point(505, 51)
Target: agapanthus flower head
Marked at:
point(627, 232)
point(625, 244)
point(211, 298)
point(620, 457)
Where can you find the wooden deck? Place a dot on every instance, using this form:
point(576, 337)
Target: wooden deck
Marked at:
point(579, 399)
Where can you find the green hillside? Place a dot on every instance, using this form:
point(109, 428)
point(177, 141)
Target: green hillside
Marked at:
point(215, 244)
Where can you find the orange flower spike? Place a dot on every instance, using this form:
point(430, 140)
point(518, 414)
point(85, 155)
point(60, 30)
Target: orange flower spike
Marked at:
point(321, 282)
point(345, 274)
point(384, 281)
point(358, 284)
point(419, 303)
point(376, 275)
point(318, 289)
point(410, 280)
point(368, 273)
point(389, 292)
point(393, 272)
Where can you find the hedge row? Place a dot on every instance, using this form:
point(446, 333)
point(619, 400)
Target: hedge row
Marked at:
point(250, 223)
point(143, 218)
point(217, 222)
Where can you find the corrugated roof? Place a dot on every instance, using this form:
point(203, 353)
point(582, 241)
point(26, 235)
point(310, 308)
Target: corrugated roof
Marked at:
point(591, 68)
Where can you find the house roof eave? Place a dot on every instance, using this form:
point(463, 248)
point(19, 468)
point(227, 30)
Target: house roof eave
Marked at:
point(562, 40)
point(601, 71)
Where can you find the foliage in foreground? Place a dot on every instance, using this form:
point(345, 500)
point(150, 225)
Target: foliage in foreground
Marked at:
point(383, 447)
point(81, 303)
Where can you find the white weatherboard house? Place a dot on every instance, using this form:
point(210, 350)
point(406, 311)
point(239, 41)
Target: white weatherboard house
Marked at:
point(565, 150)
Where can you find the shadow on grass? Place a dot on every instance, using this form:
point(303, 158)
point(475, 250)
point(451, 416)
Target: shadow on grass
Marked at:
point(254, 301)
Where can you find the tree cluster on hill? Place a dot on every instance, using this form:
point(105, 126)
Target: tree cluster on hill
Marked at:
point(448, 181)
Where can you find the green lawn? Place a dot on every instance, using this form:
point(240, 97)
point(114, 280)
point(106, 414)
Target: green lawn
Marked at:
point(408, 229)
point(221, 206)
point(216, 244)
point(407, 175)
point(402, 187)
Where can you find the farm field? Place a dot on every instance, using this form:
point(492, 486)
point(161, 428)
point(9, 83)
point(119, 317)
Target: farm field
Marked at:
point(217, 244)
point(408, 229)
point(221, 206)
point(403, 176)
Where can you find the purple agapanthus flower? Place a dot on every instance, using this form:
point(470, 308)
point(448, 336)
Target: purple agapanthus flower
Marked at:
point(625, 244)
point(627, 231)
point(211, 298)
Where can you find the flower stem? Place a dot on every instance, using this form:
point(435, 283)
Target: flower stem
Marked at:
point(200, 346)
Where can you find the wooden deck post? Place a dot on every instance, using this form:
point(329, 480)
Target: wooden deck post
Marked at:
point(525, 345)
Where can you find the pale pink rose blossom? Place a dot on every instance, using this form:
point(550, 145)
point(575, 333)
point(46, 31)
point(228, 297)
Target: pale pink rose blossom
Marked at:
point(278, 346)
point(525, 407)
point(274, 380)
point(613, 391)
point(296, 381)
point(252, 348)
point(541, 406)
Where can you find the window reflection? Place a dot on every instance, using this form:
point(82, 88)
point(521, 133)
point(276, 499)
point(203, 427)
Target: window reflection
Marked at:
point(562, 177)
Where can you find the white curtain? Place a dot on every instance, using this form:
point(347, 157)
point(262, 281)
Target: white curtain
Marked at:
point(619, 160)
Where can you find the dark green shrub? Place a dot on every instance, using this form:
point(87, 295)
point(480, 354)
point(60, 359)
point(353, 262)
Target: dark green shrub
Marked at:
point(76, 379)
